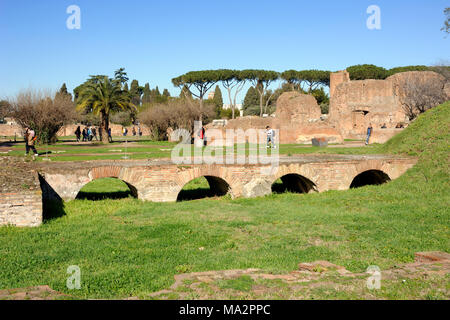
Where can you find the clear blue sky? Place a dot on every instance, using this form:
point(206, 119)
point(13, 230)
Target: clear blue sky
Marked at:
point(158, 40)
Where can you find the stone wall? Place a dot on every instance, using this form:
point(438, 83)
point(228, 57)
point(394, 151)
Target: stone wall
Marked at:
point(355, 104)
point(116, 130)
point(20, 193)
point(298, 119)
point(21, 208)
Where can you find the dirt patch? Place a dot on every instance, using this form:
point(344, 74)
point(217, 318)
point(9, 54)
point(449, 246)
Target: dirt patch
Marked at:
point(319, 279)
point(32, 293)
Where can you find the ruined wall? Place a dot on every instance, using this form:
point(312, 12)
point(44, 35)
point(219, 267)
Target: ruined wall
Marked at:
point(355, 104)
point(297, 118)
point(116, 130)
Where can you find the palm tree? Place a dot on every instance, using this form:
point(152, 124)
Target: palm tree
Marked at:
point(103, 96)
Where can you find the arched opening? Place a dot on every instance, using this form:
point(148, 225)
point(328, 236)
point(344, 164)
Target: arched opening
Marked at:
point(107, 188)
point(370, 177)
point(203, 187)
point(293, 183)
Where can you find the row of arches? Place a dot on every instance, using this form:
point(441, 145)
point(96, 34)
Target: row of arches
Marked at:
point(212, 186)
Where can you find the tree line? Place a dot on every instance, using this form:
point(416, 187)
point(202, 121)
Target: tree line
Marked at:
point(101, 97)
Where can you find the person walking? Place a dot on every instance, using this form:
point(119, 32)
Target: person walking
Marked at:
point(369, 133)
point(270, 137)
point(109, 135)
point(84, 133)
point(89, 133)
point(30, 139)
point(78, 133)
point(94, 133)
point(139, 131)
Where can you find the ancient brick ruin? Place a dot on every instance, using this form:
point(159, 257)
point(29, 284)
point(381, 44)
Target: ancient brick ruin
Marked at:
point(353, 105)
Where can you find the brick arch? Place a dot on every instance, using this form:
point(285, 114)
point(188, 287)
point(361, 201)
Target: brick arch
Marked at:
point(294, 170)
point(214, 174)
point(296, 175)
point(377, 167)
point(109, 172)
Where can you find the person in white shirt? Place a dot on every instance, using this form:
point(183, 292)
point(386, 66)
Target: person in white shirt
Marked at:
point(270, 137)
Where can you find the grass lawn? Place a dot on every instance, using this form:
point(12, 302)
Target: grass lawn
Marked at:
point(128, 247)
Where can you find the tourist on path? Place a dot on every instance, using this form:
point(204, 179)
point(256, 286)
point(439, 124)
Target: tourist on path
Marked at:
point(94, 133)
point(30, 139)
point(369, 133)
point(270, 137)
point(109, 135)
point(78, 133)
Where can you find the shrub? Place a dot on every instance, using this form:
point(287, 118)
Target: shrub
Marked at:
point(367, 71)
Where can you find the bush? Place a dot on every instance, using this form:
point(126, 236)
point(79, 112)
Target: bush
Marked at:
point(177, 114)
point(44, 114)
point(367, 71)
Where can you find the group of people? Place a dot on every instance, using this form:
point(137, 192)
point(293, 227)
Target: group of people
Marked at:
point(133, 131)
point(87, 134)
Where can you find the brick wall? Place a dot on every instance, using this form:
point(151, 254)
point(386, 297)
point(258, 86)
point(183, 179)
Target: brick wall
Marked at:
point(22, 208)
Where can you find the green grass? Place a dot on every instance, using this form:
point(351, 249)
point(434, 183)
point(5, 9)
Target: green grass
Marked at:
point(132, 248)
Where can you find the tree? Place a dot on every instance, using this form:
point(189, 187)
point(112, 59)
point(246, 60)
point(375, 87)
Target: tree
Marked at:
point(261, 80)
point(135, 93)
point(166, 93)
point(5, 109)
point(104, 96)
point(63, 92)
point(367, 71)
point(419, 95)
point(232, 79)
point(185, 93)
point(176, 114)
point(146, 96)
point(121, 76)
point(202, 81)
point(406, 69)
point(313, 79)
point(306, 80)
point(291, 78)
point(43, 113)
point(218, 100)
point(446, 27)
point(251, 98)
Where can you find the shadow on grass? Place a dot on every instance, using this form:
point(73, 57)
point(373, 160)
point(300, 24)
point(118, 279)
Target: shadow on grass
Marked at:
point(104, 195)
point(195, 194)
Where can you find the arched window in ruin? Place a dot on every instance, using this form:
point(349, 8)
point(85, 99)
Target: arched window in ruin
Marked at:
point(204, 187)
point(370, 177)
point(293, 183)
point(107, 188)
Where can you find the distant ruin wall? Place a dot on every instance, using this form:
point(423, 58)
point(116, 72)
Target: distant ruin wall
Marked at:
point(355, 104)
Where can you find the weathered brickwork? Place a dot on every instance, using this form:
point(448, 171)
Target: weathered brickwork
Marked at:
point(163, 181)
point(22, 209)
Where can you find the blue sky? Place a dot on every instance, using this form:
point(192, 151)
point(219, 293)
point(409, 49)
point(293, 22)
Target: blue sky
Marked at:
point(158, 40)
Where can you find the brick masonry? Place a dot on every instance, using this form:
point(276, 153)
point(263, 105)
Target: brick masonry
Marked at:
point(22, 208)
point(161, 181)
